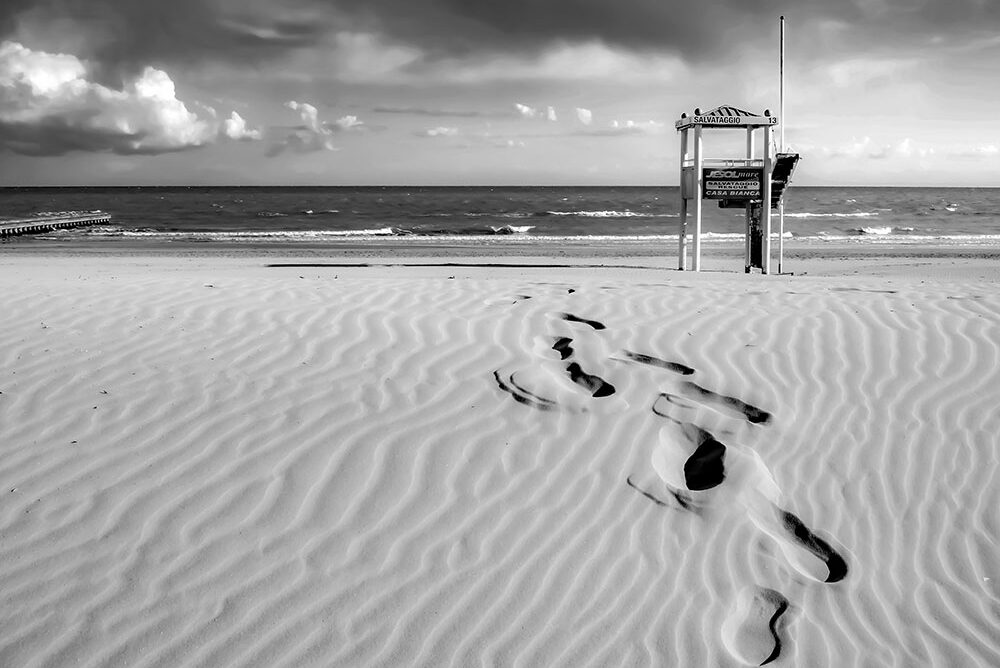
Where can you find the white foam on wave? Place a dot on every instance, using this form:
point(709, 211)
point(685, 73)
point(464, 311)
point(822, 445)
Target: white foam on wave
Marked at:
point(854, 214)
point(512, 229)
point(881, 231)
point(248, 235)
point(611, 214)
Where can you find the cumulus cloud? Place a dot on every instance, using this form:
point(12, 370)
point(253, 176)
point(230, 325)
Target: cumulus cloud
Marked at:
point(439, 132)
point(308, 137)
point(235, 128)
point(49, 105)
point(548, 113)
point(313, 134)
point(348, 123)
point(585, 116)
point(525, 110)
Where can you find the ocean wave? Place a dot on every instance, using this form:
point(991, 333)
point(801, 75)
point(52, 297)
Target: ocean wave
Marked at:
point(504, 214)
point(854, 214)
point(508, 234)
point(281, 235)
point(874, 230)
point(610, 214)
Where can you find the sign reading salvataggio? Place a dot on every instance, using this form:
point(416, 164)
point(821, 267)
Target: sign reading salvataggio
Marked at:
point(733, 183)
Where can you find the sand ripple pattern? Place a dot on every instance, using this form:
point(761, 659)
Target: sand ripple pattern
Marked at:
point(275, 470)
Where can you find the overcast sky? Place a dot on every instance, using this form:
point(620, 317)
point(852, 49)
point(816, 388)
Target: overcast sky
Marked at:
point(345, 92)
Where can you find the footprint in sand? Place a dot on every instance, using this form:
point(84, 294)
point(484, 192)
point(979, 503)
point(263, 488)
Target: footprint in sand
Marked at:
point(806, 552)
point(694, 464)
point(561, 377)
point(753, 630)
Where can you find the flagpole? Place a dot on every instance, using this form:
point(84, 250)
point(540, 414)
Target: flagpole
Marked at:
point(781, 139)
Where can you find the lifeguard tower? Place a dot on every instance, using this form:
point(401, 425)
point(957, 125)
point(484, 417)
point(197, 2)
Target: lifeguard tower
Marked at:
point(735, 182)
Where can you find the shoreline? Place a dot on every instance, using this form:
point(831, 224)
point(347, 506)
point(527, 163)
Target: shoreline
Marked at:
point(976, 262)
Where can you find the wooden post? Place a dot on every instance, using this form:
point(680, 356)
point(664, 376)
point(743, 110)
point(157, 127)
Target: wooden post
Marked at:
point(699, 158)
point(682, 240)
point(765, 205)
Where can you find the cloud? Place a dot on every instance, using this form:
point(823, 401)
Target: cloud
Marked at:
point(422, 111)
point(50, 106)
point(866, 148)
point(235, 128)
point(313, 134)
point(310, 136)
point(548, 114)
point(855, 72)
point(397, 34)
point(439, 132)
point(585, 116)
point(628, 128)
point(347, 123)
point(525, 110)
point(559, 61)
point(120, 36)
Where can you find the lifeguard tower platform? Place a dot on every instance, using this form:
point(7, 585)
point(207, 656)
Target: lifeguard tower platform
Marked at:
point(744, 183)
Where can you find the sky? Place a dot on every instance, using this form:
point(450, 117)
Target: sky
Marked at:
point(482, 92)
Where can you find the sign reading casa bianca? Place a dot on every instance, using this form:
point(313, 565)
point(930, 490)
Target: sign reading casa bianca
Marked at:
point(733, 183)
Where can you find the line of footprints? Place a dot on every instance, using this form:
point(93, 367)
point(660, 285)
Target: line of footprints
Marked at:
point(692, 470)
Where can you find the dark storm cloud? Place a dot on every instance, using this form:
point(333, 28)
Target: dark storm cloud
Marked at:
point(126, 35)
point(133, 33)
point(57, 136)
point(696, 29)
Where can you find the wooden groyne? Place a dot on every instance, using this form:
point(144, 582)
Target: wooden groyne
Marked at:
point(10, 228)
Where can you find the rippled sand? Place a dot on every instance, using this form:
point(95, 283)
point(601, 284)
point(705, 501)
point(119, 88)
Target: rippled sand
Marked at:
point(215, 462)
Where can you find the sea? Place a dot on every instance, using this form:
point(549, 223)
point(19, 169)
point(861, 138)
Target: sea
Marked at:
point(474, 215)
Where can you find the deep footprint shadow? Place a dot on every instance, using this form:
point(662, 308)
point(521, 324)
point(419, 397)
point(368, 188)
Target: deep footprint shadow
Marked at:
point(705, 468)
point(835, 564)
point(753, 414)
point(752, 632)
point(575, 318)
point(598, 387)
point(676, 367)
point(562, 347)
point(805, 552)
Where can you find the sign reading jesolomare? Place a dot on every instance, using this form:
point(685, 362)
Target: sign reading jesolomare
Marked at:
point(733, 183)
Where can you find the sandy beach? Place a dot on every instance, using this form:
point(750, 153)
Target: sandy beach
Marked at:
point(275, 459)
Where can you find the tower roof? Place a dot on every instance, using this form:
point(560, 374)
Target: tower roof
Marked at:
point(726, 116)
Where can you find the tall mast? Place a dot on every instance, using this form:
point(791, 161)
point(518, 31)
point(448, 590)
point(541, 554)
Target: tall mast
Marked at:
point(781, 140)
point(781, 86)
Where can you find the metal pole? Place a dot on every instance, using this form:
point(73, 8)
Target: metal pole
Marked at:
point(781, 139)
point(749, 207)
point(682, 241)
point(699, 157)
point(765, 205)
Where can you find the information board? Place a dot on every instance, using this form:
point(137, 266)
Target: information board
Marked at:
point(733, 183)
